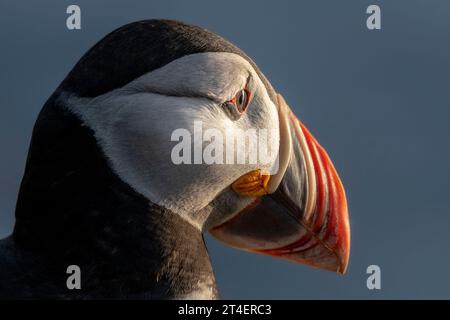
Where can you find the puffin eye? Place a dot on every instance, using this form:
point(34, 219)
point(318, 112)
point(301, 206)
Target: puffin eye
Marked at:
point(237, 106)
point(241, 100)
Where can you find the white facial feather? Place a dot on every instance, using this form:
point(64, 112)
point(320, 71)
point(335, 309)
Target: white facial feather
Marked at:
point(134, 124)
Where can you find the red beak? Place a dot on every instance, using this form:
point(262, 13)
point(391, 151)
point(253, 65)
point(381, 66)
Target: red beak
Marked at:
point(306, 219)
point(325, 240)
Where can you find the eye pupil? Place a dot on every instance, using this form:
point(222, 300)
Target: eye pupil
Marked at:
point(242, 100)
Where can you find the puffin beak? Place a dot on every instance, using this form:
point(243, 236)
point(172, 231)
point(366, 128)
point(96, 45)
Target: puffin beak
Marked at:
point(300, 213)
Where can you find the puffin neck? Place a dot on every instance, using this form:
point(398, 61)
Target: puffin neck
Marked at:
point(73, 209)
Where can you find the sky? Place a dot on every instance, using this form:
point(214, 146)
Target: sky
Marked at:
point(377, 100)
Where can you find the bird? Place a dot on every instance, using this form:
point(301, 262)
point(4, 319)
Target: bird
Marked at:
point(101, 189)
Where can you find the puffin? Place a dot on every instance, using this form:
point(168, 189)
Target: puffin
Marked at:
point(104, 188)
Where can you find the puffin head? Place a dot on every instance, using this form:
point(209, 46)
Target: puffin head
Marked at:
point(189, 122)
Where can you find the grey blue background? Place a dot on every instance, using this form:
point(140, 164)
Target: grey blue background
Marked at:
point(377, 100)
